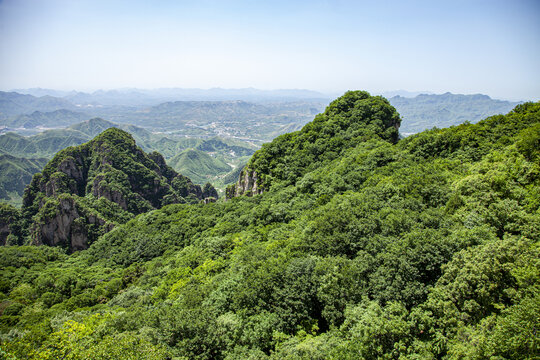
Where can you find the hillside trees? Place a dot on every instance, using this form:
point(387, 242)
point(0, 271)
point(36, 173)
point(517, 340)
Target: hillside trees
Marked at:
point(388, 250)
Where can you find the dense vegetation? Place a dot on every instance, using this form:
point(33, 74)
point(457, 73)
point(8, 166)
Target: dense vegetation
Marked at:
point(15, 175)
point(198, 165)
point(84, 191)
point(422, 248)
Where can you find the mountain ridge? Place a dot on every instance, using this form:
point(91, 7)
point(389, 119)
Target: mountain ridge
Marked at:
point(110, 171)
point(362, 245)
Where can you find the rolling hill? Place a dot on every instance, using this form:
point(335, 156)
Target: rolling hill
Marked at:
point(339, 241)
point(198, 165)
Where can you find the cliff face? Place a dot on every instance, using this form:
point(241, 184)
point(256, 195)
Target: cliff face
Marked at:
point(248, 184)
point(69, 225)
point(83, 191)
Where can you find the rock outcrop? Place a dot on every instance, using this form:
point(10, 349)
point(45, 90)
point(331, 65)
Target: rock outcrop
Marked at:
point(68, 226)
point(83, 191)
point(248, 184)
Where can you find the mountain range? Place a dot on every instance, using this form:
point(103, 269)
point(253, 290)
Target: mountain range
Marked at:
point(342, 240)
point(426, 111)
point(202, 160)
point(242, 113)
point(149, 97)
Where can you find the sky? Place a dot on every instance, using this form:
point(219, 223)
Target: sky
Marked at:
point(461, 46)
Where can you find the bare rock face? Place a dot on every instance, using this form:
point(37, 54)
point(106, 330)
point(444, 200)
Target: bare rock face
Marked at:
point(58, 229)
point(248, 184)
point(56, 186)
point(66, 226)
point(70, 168)
point(100, 189)
point(209, 200)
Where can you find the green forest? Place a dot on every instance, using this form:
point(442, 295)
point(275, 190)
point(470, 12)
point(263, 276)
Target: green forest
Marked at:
point(341, 240)
point(213, 159)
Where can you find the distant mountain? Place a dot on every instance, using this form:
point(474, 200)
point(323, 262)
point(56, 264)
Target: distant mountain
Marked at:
point(93, 127)
point(13, 104)
point(57, 118)
point(37, 92)
point(15, 174)
point(403, 93)
point(44, 144)
point(427, 111)
point(149, 97)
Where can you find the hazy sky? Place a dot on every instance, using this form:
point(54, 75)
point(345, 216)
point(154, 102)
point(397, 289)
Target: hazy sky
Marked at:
point(490, 47)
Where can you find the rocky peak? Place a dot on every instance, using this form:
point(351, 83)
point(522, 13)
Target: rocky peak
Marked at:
point(92, 183)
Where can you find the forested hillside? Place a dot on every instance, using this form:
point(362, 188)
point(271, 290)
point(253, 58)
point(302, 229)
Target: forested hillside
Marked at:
point(15, 175)
point(84, 191)
point(353, 245)
point(214, 160)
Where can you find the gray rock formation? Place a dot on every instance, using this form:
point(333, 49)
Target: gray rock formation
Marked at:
point(248, 184)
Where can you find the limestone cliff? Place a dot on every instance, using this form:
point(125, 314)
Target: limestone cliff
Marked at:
point(248, 184)
point(68, 225)
point(83, 191)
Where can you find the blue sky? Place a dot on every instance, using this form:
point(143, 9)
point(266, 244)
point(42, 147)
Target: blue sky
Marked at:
point(490, 47)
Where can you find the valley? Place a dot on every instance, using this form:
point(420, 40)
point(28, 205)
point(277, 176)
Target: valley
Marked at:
point(208, 139)
point(341, 240)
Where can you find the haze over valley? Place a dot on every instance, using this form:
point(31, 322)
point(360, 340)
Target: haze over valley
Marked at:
point(302, 180)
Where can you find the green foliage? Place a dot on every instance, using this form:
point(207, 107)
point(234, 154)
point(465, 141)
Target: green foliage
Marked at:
point(198, 165)
point(10, 225)
point(83, 191)
point(418, 249)
point(15, 174)
point(352, 118)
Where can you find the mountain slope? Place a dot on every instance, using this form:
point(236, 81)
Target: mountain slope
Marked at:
point(345, 122)
point(83, 191)
point(57, 118)
point(425, 247)
point(198, 166)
